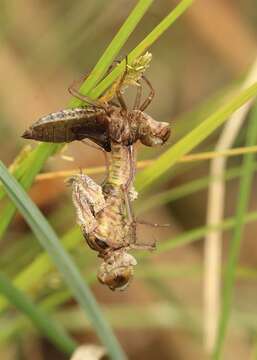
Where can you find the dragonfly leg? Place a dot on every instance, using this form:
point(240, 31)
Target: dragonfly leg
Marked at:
point(137, 246)
point(118, 91)
point(151, 246)
point(149, 99)
point(142, 222)
point(128, 206)
point(74, 92)
point(112, 66)
point(138, 96)
point(126, 187)
point(106, 160)
point(131, 159)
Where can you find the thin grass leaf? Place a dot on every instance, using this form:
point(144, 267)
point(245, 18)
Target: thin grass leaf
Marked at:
point(71, 275)
point(113, 49)
point(186, 189)
point(11, 329)
point(42, 264)
point(18, 166)
point(191, 158)
point(196, 234)
point(193, 117)
point(237, 236)
point(34, 164)
point(141, 317)
point(168, 271)
point(142, 47)
point(191, 140)
point(55, 300)
point(52, 330)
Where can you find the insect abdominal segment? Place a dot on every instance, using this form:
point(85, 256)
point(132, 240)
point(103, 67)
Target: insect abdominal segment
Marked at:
point(72, 124)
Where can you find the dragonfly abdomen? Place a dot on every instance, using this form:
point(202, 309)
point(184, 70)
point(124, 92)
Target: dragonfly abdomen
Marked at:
point(72, 124)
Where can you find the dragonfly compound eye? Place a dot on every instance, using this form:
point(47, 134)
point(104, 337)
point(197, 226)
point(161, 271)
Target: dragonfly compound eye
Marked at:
point(151, 132)
point(117, 271)
point(164, 131)
point(101, 244)
point(117, 279)
point(96, 244)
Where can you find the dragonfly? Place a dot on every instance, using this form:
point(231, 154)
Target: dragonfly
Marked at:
point(106, 219)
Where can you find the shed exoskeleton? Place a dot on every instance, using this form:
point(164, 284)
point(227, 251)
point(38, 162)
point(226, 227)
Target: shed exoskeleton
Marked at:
point(102, 122)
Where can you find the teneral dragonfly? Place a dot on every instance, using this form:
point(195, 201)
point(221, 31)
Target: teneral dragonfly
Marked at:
point(106, 219)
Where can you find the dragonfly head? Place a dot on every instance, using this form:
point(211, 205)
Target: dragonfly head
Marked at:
point(152, 132)
point(117, 270)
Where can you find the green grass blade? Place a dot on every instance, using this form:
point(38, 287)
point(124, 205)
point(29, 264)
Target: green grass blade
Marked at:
point(195, 234)
point(42, 263)
point(18, 166)
point(142, 47)
point(113, 49)
point(235, 243)
point(41, 266)
point(71, 275)
point(35, 162)
point(183, 190)
point(191, 140)
point(53, 331)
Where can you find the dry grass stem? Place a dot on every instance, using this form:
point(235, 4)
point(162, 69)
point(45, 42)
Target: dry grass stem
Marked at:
point(215, 208)
point(141, 164)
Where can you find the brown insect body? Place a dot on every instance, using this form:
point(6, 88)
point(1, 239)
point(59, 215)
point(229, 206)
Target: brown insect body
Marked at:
point(105, 224)
point(72, 124)
point(102, 126)
point(110, 229)
point(117, 270)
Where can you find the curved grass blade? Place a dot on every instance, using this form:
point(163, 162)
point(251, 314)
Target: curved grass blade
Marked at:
point(142, 47)
point(18, 166)
point(62, 260)
point(53, 331)
point(196, 234)
point(191, 140)
point(183, 190)
point(113, 49)
point(34, 163)
point(42, 263)
point(235, 243)
point(41, 266)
